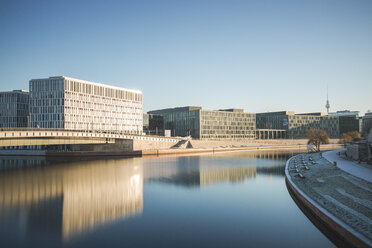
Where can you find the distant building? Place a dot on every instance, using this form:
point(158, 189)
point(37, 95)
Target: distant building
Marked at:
point(367, 124)
point(153, 124)
point(14, 106)
point(68, 103)
point(296, 125)
point(208, 124)
point(348, 120)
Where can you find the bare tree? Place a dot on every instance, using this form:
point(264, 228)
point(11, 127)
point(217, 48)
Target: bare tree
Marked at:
point(317, 137)
point(349, 136)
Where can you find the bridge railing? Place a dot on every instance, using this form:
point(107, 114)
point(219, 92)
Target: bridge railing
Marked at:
point(86, 133)
point(67, 130)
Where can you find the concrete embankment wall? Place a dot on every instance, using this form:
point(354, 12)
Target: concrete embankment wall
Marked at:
point(239, 143)
point(156, 147)
point(331, 226)
point(153, 144)
point(121, 147)
point(128, 145)
point(335, 229)
point(159, 152)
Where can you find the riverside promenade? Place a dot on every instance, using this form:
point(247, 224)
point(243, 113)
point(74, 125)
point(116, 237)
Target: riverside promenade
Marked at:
point(337, 199)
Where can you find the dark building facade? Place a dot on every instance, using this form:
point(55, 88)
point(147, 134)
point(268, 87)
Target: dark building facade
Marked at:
point(348, 120)
point(367, 124)
point(208, 124)
point(296, 125)
point(153, 124)
point(14, 108)
point(348, 124)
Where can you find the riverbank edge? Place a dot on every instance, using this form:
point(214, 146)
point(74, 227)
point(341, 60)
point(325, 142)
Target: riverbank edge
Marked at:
point(157, 152)
point(339, 228)
point(231, 149)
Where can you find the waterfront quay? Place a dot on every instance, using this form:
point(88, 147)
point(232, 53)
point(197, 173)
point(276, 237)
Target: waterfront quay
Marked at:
point(337, 202)
point(75, 143)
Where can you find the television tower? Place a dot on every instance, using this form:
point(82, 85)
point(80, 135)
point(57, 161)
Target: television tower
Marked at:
point(327, 104)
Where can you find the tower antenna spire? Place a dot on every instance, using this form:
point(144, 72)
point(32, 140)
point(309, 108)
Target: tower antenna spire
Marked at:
point(327, 103)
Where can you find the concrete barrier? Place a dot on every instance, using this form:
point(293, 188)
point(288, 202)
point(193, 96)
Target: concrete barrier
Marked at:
point(159, 152)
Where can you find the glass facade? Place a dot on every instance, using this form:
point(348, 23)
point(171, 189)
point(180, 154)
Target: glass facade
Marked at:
point(348, 120)
point(184, 121)
point(207, 124)
point(14, 108)
point(273, 120)
point(153, 124)
point(227, 125)
point(299, 124)
point(296, 125)
point(367, 124)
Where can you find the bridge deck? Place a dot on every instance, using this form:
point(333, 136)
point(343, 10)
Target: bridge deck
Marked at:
point(35, 136)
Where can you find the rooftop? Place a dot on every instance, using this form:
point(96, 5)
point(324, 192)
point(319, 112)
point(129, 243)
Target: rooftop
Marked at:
point(16, 91)
point(186, 108)
point(233, 110)
point(314, 113)
point(89, 82)
point(344, 113)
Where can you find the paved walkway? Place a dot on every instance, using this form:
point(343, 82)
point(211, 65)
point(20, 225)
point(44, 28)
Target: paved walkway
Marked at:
point(351, 167)
point(339, 194)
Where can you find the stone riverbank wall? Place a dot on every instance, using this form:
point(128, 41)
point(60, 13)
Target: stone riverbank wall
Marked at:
point(335, 201)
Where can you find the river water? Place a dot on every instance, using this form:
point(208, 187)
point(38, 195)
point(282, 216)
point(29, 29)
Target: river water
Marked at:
point(235, 199)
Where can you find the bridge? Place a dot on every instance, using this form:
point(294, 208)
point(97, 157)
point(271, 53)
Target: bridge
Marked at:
point(43, 136)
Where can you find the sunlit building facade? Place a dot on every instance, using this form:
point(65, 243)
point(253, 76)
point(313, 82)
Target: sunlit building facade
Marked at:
point(68, 103)
point(14, 107)
point(231, 124)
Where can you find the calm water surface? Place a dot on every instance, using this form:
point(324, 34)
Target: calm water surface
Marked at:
point(236, 199)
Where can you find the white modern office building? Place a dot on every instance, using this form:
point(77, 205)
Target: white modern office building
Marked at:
point(68, 103)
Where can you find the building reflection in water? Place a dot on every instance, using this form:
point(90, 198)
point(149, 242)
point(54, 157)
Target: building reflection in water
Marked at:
point(197, 171)
point(69, 199)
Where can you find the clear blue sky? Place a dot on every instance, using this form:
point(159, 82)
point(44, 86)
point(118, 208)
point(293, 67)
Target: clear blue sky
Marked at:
point(256, 55)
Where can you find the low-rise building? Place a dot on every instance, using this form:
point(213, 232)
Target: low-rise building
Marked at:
point(296, 125)
point(14, 108)
point(348, 120)
point(209, 124)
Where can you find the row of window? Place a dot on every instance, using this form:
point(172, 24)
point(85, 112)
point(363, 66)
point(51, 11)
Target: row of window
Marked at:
point(13, 121)
point(101, 99)
point(46, 110)
point(220, 132)
point(102, 126)
point(94, 112)
point(97, 106)
point(227, 114)
point(11, 97)
point(38, 85)
point(228, 127)
point(232, 136)
point(106, 91)
point(97, 119)
point(44, 102)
